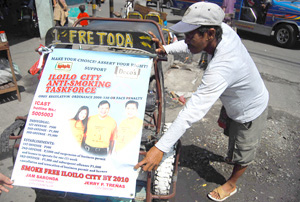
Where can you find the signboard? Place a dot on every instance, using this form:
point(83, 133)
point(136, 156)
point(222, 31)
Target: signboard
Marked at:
point(85, 123)
point(90, 36)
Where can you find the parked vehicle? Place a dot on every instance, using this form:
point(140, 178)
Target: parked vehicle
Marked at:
point(29, 18)
point(279, 19)
point(179, 7)
point(128, 7)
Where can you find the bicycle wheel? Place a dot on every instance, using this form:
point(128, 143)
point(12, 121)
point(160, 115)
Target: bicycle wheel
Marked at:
point(155, 107)
point(11, 132)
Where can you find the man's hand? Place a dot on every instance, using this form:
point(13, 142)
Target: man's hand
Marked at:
point(5, 182)
point(152, 159)
point(160, 50)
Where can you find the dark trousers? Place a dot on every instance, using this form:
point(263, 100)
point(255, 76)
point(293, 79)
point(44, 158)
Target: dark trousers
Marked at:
point(98, 2)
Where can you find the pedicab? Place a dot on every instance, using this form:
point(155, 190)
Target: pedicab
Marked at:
point(155, 185)
point(168, 36)
point(143, 12)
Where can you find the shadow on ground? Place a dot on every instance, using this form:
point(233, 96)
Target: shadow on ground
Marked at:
point(198, 159)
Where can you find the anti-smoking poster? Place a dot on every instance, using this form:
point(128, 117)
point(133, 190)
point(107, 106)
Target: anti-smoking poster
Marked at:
point(84, 126)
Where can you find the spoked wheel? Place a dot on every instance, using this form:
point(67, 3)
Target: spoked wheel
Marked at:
point(154, 119)
point(12, 132)
point(169, 4)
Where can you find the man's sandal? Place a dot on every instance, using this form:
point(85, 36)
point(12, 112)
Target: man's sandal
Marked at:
point(223, 195)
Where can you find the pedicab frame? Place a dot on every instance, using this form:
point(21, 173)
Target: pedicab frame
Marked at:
point(154, 121)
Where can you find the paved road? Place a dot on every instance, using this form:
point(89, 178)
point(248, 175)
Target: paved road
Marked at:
point(279, 68)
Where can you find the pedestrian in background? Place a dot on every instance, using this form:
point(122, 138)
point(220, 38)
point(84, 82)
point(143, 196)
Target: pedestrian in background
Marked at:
point(82, 14)
point(98, 2)
point(232, 77)
point(60, 13)
point(228, 8)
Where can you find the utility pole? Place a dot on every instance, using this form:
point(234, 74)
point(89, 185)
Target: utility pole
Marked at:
point(111, 8)
point(158, 5)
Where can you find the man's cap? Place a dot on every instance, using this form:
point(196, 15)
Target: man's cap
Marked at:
point(198, 14)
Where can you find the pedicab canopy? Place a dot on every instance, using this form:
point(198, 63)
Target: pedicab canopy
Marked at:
point(131, 34)
point(84, 126)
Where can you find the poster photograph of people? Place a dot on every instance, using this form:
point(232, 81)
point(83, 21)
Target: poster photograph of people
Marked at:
point(85, 123)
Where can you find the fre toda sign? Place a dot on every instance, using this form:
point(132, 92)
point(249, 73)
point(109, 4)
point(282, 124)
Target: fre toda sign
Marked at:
point(84, 127)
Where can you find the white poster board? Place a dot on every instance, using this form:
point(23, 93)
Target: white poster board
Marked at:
point(95, 150)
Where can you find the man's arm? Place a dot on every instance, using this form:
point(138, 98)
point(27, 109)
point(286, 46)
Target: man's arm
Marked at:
point(213, 85)
point(177, 47)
